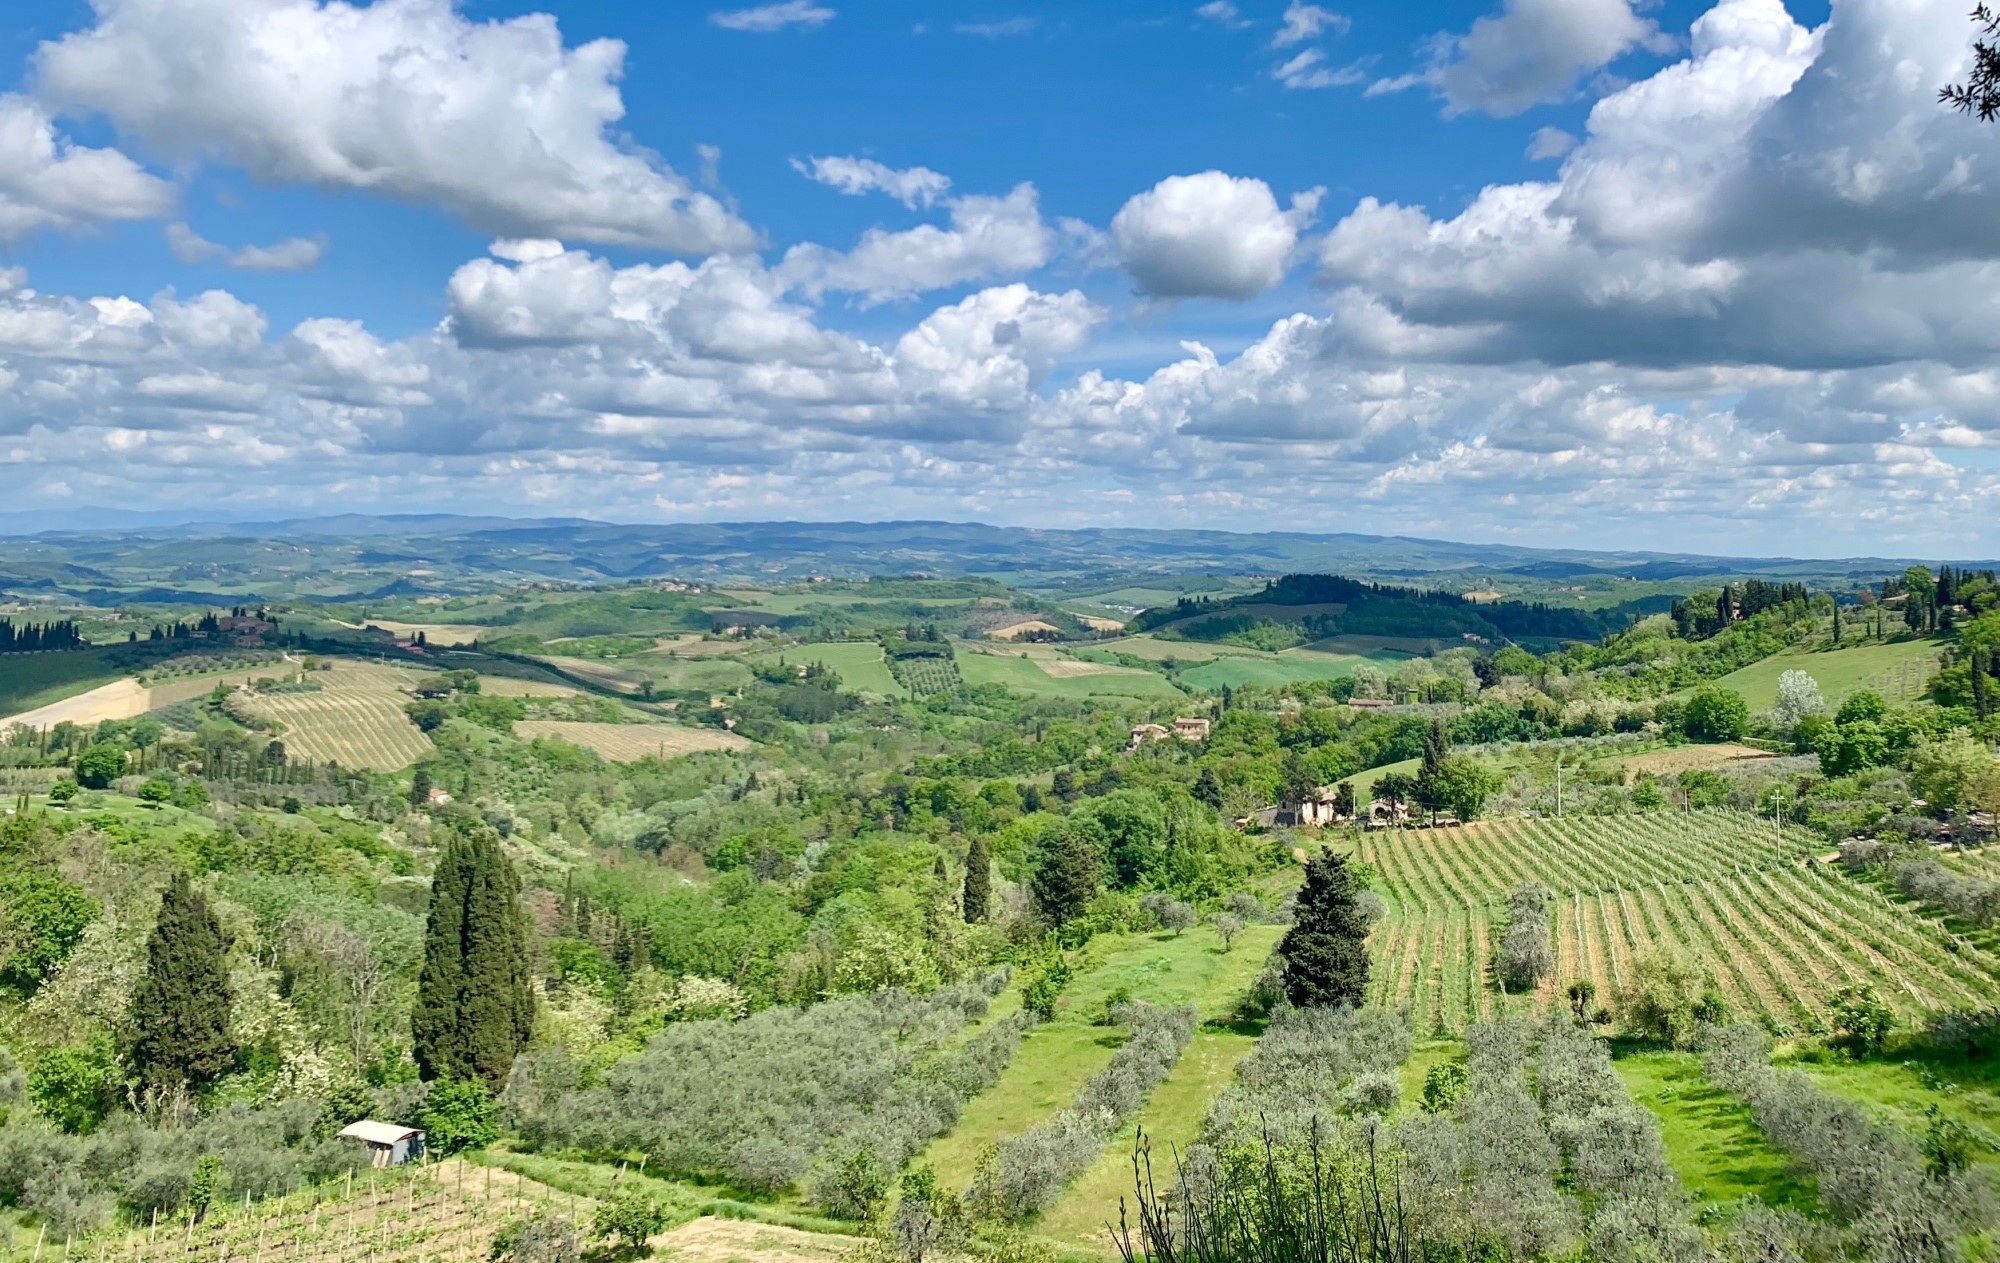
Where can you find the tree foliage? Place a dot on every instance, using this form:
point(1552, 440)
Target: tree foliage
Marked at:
point(475, 1001)
point(1326, 958)
point(181, 1006)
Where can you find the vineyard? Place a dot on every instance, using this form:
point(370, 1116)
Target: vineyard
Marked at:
point(1780, 932)
point(355, 720)
point(447, 1213)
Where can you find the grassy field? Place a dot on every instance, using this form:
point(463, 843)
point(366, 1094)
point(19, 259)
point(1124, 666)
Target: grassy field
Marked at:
point(30, 680)
point(1897, 670)
point(626, 743)
point(1713, 1143)
point(1056, 1057)
point(1905, 1092)
point(859, 665)
point(1779, 937)
point(1269, 670)
point(1026, 675)
point(356, 719)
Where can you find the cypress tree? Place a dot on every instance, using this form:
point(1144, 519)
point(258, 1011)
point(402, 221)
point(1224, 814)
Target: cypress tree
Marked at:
point(420, 787)
point(978, 882)
point(1326, 959)
point(181, 1006)
point(475, 1001)
point(1066, 874)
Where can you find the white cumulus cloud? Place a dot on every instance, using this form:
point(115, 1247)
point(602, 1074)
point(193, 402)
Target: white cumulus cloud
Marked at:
point(1530, 53)
point(46, 182)
point(496, 122)
point(1208, 235)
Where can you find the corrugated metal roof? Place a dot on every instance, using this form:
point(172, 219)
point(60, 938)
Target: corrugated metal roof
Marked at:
point(378, 1133)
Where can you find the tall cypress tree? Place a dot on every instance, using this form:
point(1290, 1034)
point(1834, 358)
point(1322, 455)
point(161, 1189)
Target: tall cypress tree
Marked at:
point(1326, 959)
point(475, 1000)
point(978, 882)
point(181, 1006)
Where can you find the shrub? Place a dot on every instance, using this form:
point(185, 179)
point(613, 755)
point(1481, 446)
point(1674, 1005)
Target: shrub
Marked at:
point(99, 765)
point(628, 1220)
point(1373, 1092)
point(1445, 1085)
point(543, 1237)
point(63, 791)
point(1861, 1021)
point(1227, 928)
point(1662, 998)
point(1172, 915)
point(459, 1114)
point(74, 1088)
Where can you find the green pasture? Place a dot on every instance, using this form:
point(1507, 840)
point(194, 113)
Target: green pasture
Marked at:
point(1904, 1092)
point(1893, 668)
point(1712, 1141)
point(858, 663)
point(1268, 670)
point(31, 680)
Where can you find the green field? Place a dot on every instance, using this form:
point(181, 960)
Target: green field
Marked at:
point(1056, 1057)
point(1023, 675)
point(1896, 670)
point(858, 663)
point(1713, 1143)
point(1269, 670)
point(32, 680)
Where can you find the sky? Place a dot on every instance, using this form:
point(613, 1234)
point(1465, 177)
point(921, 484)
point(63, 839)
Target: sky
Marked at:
point(1568, 272)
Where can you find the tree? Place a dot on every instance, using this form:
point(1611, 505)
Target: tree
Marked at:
point(1798, 698)
point(1460, 786)
point(1326, 959)
point(1582, 995)
point(1066, 874)
point(420, 786)
point(42, 919)
point(156, 791)
point(1445, 1085)
point(978, 882)
point(99, 765)
point(1227, 927)
point(629, 1219)
point(63, 791)
point(1525, 956)
point(1943, 773)
point(181, 1006)
point(459, 1114)
point(475, 1004)
point(1861, 1021)
point(1716, 714)
point(1979, 95)
point(1667, 996)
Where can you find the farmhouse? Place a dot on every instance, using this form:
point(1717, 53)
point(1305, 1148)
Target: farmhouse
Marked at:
point(388, 1144)
point(1195, 729)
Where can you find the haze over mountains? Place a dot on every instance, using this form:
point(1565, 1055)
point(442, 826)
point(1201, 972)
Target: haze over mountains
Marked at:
point(361, 555)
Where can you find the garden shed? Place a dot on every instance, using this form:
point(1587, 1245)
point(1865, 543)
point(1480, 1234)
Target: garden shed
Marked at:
point(389, 1144)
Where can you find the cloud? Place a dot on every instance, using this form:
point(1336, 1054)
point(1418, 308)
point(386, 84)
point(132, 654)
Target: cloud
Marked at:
point(1549, 142)
point(1308, 69)
point(988, 237)
point(1224, 12)
point(295, 254)
point(1304, 22)
point(912, 186)
point(1531, 53)
point(774, 17)
point(1209, 235)
point(494, 122)
point(1000, 29)
point(48, 183)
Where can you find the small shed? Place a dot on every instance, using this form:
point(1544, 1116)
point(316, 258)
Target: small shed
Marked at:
point(389, 1144)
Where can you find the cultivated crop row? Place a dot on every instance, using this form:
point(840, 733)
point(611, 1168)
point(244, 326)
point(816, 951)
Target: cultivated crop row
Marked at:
point(447, 1213)
point(1779, 933)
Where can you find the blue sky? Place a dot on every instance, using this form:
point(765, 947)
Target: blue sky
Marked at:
point(1675, 275)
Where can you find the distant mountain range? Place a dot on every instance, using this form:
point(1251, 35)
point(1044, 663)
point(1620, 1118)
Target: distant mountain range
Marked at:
point(133, 557)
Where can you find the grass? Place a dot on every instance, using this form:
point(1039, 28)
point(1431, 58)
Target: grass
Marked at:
point(1712, 1142)
point(1904, 1093)
point(859, 665)
point(1023, 675)
point(1056, 1057)
point(1890, 668)
point(1294, 666)
point(32, 680)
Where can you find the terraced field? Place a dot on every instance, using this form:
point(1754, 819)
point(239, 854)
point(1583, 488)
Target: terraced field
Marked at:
point(356, 719)
point(1780, 933)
